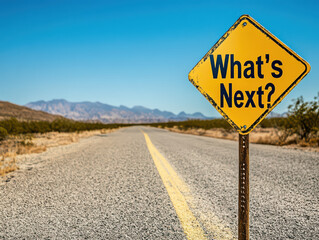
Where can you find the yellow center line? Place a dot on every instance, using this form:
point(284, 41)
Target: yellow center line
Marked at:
point(175, 188)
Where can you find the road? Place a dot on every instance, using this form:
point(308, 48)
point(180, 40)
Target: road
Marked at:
point(147, 183)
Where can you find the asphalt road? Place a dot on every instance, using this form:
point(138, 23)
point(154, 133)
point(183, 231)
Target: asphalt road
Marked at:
point(123, 186)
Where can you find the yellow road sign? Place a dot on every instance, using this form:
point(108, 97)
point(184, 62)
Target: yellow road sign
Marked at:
point(247, 73)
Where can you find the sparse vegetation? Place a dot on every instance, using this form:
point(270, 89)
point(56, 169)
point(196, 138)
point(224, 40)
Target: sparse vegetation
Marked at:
point(14, 127)
point(216, 123)
point(301, 126)
point(303, 118)
point(7, 164)
point(189, 124)
point(24, 137)
point(3, 133)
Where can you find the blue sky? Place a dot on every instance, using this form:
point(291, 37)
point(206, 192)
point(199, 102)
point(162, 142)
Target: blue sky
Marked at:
point(135, 52)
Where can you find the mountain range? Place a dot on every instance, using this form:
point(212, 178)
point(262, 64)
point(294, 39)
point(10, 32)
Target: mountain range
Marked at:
point(96, 111)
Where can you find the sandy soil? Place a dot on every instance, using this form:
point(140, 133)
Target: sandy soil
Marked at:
point(270, 136)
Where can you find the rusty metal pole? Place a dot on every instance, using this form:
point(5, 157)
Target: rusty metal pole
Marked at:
point(243, 191)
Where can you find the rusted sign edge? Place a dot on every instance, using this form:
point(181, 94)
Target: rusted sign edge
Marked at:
point(278, 100)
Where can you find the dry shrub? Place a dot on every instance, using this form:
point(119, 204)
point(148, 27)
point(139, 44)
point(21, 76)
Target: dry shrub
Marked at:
point(73, 138)
point(314, 142)
point(200, 132)
point(303, 143)
point(8, 163)
point(303, 119)
point(283, 136)
point(104, 131)
point(266, 140)
point(37, 149)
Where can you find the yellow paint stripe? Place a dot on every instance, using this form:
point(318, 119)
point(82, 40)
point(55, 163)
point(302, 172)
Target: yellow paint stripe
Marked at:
point(175, 188)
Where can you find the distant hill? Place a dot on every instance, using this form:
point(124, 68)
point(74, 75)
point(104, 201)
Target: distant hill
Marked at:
point(9, 110)
point(277, 115)
point(96, 111)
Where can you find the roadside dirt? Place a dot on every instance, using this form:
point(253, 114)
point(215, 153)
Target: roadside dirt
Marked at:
point(270, 136)
point(36, 143)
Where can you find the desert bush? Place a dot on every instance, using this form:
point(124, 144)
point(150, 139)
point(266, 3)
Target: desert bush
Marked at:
point(277, 122)
point(3, 133)
point(303, 118)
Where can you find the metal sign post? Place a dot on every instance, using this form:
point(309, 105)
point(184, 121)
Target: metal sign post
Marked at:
point(243, 188)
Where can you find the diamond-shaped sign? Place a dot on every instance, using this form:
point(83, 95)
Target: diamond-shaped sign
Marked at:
point(247, 73)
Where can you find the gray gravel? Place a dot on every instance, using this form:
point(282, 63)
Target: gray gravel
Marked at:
point(107, 187)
